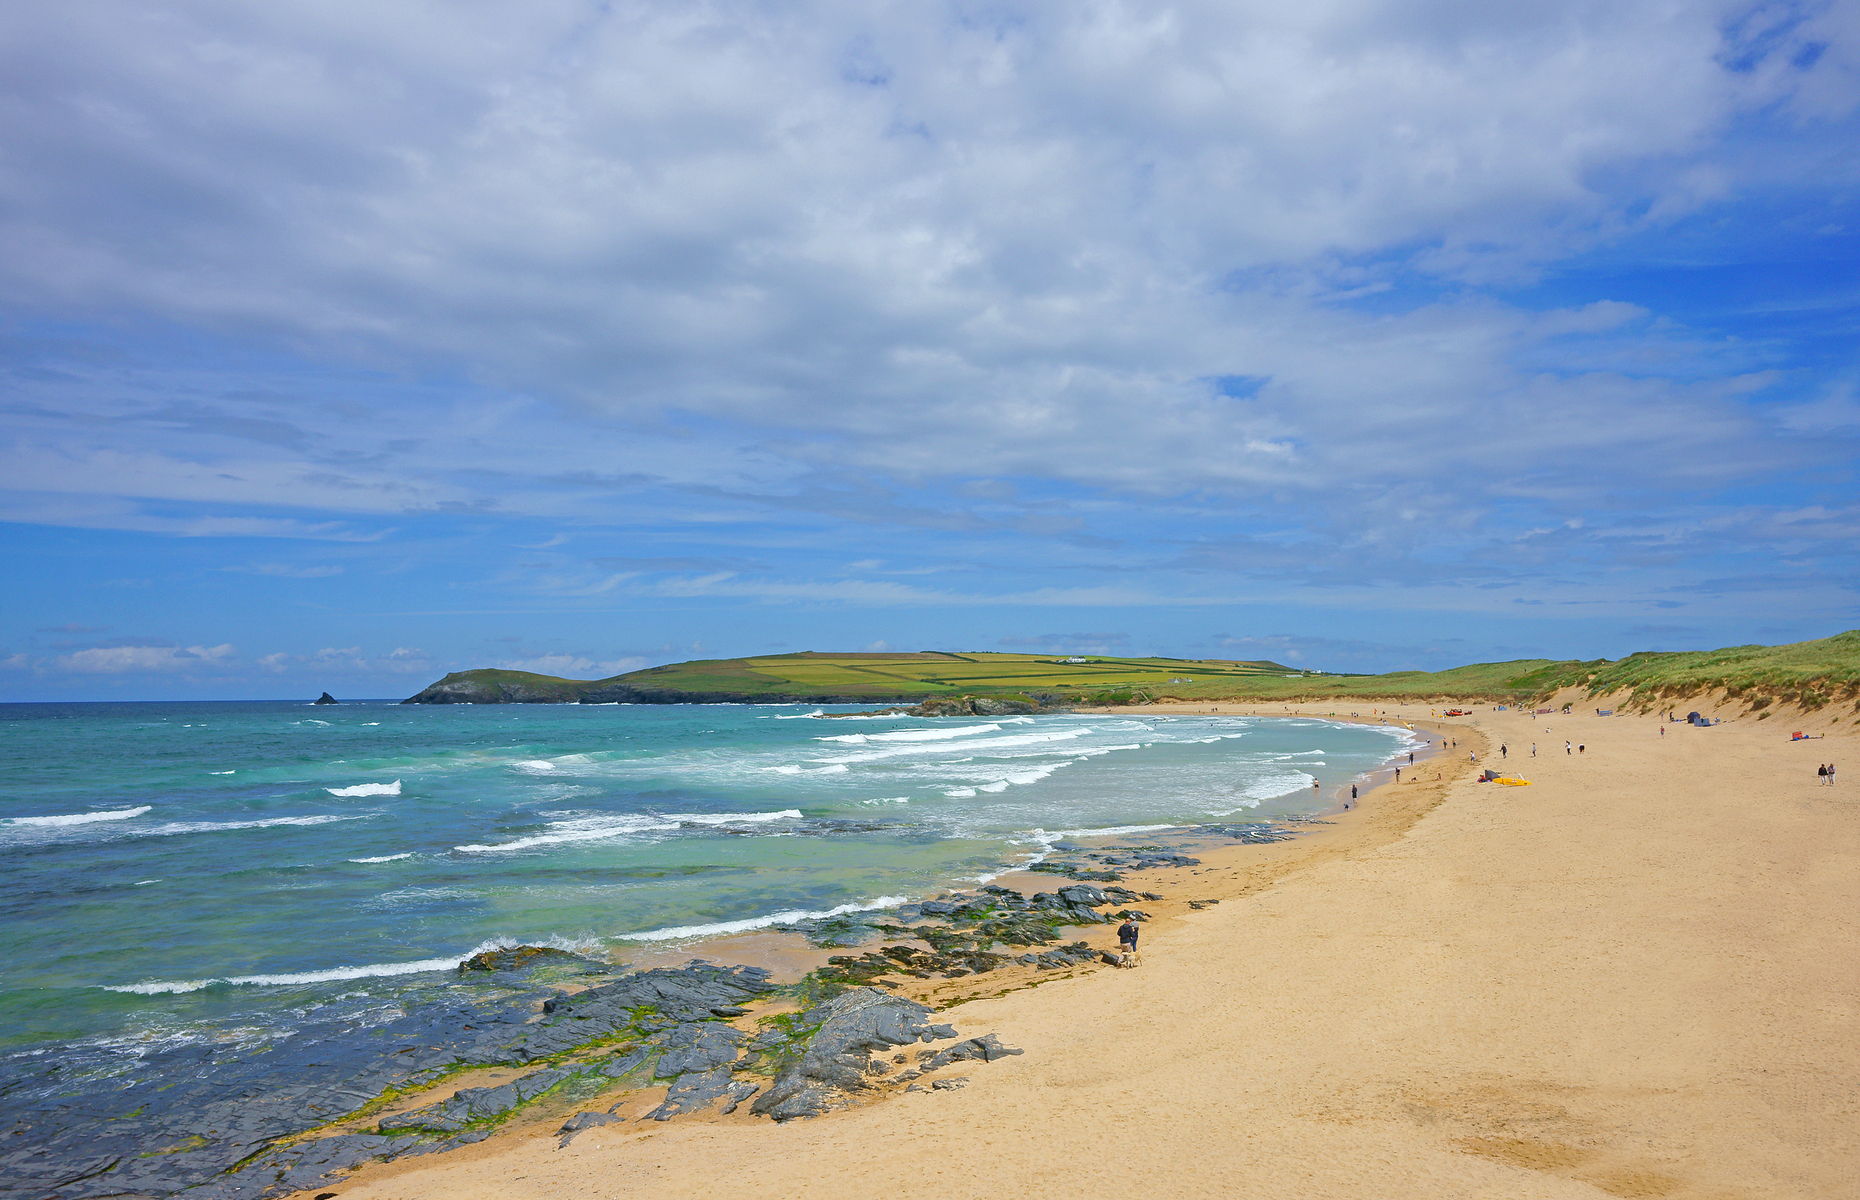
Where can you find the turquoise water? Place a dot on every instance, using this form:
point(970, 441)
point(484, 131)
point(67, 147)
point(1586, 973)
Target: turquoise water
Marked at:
point(175, 866)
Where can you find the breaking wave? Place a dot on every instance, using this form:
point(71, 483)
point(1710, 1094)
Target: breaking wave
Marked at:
point(114, 814)
point(367, 789)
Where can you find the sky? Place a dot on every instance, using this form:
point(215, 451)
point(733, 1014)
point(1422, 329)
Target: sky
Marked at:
point(346, 344)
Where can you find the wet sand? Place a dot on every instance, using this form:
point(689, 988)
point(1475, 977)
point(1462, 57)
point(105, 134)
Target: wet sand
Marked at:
point(1636, 977)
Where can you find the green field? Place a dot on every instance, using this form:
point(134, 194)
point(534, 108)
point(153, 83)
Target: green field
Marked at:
point(1811, 674)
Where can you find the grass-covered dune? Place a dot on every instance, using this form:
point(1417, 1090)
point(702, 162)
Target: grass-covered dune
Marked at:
point(1808, 674)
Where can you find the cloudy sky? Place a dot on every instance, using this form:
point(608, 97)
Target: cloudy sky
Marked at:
point(344, 344)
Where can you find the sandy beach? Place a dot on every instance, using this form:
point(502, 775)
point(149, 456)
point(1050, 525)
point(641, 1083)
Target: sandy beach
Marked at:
point(1639, 976)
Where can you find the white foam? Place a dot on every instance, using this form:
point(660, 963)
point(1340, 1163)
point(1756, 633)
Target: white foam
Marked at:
point(337, 974)
point(786, 814)
point(383, 858)
point(797, 716)
point(367, 789)
point(331, 975)
point(114, 814)
point(599, 828)
point(537, 764)
point(1102, 831)
point(962, 793)
point(222, 772)
point(220, 826)
point(978, 746)
point(781, 918)
point(910, 735)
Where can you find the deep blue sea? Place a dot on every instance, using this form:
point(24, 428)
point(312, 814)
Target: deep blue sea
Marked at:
point(171, 871)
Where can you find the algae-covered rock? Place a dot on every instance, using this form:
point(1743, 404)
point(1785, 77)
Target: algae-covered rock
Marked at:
point(519, 958)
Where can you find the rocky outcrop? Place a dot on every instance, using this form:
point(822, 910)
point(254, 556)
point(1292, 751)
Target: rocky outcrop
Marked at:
point(326, 698)
point(221, 1122)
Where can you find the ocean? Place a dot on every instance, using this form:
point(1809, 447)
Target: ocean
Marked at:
point(177, 872)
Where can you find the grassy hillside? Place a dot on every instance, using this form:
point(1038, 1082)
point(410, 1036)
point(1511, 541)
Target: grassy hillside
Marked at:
point(1809, 673)
point(922, 675)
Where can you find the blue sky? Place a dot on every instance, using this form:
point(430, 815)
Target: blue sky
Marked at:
point(343, 344)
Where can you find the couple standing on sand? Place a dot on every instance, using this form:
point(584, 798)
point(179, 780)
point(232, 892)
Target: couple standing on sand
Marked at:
point(1825, 774)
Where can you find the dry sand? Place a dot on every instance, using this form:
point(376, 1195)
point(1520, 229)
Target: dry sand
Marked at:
point(1637, 977)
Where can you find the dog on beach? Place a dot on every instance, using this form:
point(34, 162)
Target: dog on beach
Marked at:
point(1129, 958)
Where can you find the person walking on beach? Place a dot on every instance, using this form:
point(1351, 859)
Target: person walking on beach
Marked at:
point(1533, 749)
point(1127, 936)
point(1566, 747)
point(1503, 752)
point(1397, 774)
point(1352, 793)
point(1830, 774)
point(1821, 774)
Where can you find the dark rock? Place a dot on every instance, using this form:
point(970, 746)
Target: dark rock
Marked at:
point(848, 1028)
point(690, 1092)
point(736, 1093)
point(986, 1048)
point(581, 1122)
point(699, 1047)
point(325, 698)
point(472, 1105)
point(201, 1119)
point(1198, 904)
point(949, 1085)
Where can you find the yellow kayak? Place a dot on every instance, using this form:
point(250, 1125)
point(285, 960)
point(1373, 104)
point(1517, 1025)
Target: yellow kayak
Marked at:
point(1513, 782)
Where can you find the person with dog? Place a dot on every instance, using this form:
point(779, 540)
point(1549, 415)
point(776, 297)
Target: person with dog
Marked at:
point(1127, 936)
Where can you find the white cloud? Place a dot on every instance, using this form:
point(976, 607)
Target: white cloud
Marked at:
point(706, 260)
point(574, 666)
point(111, 660)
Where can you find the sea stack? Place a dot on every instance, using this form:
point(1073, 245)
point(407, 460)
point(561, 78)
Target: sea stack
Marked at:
point(326, 698)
